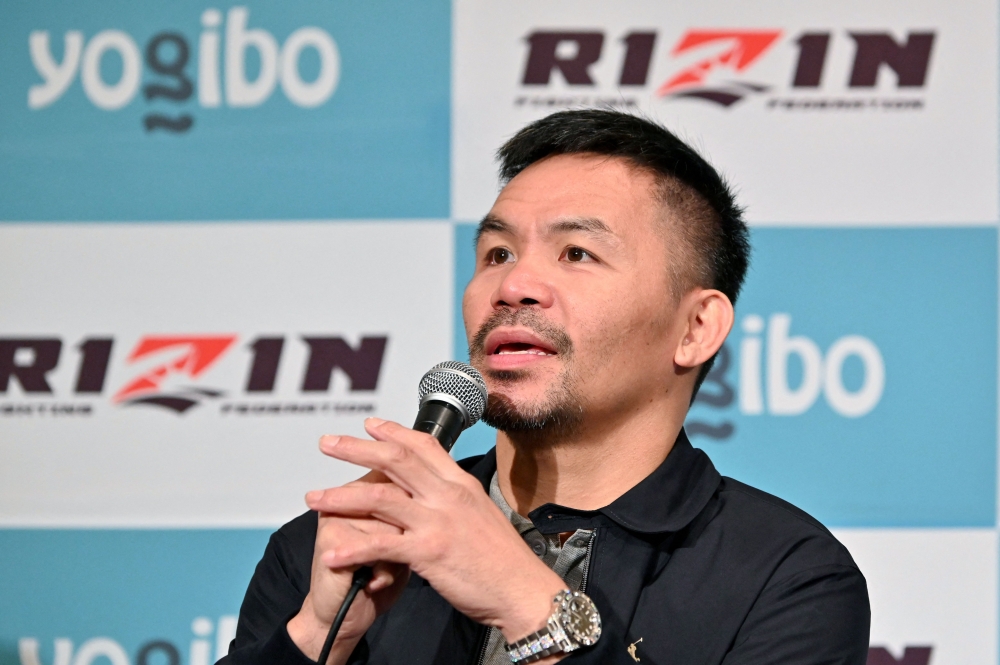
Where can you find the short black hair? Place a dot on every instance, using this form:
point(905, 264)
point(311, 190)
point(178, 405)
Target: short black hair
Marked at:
point(717, 238)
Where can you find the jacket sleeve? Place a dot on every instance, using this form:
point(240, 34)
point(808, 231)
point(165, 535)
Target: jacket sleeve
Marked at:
point(817, 615)
point(275, 594)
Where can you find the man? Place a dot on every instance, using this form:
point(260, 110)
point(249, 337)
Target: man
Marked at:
point(605, 280)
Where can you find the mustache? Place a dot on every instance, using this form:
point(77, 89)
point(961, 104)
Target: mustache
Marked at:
point(527, 317)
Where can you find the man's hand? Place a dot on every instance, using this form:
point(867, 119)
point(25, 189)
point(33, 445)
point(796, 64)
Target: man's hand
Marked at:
point(329, 586)
point(445, 528)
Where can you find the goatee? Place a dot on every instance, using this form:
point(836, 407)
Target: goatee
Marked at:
point(559, 413)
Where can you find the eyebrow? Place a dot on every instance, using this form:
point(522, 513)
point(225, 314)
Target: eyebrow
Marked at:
point(492, 224)
point(589, 225)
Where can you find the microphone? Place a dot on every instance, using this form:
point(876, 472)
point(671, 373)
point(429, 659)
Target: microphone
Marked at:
point(452, 399)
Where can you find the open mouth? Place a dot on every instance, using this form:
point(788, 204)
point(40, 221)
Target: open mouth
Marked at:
point(521, 348)
point(511, 344)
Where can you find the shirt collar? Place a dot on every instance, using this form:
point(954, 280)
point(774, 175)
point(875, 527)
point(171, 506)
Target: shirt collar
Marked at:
point(522, 524)
point(666, 500)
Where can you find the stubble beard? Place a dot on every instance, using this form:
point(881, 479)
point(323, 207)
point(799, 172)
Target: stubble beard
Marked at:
point(556, 416)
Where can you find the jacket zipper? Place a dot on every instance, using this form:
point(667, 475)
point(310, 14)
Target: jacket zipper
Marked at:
point(586, 562)
point(482, 649)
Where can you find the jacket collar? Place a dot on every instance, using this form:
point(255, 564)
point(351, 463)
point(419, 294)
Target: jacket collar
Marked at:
point(666, 500)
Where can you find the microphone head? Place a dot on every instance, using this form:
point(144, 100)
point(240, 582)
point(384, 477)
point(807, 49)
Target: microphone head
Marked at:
point(458, 384)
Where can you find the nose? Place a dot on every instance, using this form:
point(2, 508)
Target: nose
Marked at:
point(524, 285)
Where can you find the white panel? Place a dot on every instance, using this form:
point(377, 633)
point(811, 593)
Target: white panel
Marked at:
point(936, 164)
point(931, 587)
point(149, 466)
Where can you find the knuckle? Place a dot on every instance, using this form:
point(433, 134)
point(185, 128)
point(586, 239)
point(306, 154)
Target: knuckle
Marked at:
point(434, 547)
point(427, 441)
point(459, 494)
point(381, 492)
point(398, 454)
point(470, 483)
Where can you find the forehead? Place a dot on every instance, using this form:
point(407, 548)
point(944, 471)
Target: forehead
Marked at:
point(609, 189)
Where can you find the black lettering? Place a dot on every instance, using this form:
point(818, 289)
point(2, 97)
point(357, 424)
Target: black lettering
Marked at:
point(638, 54)
point(542, 57)
point(910, 60)
point(264, 369)
point(181, 123)
point(812, 56)
point(171, 69)
point(911, 656)
point(182, 88)
point(30, 376)
point(362, 365)
point(93, 365)
point(720, 394)
point(168, 649)
point(716, 392)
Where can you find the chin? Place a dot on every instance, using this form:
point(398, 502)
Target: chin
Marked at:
point(547, 413)
point(517, 397)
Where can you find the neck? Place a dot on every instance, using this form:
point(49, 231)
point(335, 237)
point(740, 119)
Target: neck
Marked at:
point(590, 467)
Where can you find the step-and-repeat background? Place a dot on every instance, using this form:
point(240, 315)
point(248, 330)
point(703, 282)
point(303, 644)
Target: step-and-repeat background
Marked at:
point(228, 229)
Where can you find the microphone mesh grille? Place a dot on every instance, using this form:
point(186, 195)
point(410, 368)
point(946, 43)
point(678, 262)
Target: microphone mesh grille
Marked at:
point(461, 381)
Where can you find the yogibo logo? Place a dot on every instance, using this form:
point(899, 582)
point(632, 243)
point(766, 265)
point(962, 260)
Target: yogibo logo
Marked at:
point(168, 372)
point(849, 375)
point(210, 643)
point(821, 373)
point(214, 68)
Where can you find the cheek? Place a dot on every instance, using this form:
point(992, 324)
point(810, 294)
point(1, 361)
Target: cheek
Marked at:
point(599, 327)
point(624, 333)
point(475, 305)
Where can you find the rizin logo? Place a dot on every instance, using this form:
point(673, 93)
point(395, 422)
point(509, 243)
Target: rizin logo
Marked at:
point(912, 655)
point(221, 68)
point(194, 355)
point(765, 382)
point(167, 373)
point(717, 66)
point(741, 49)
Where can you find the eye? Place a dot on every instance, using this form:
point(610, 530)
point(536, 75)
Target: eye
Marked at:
point(498, 255)
point(576, 255)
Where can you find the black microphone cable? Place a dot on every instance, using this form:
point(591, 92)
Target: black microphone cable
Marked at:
point(452, 399)
point(362, 576)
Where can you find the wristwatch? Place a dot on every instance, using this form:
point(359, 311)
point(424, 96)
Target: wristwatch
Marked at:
point(575, 623)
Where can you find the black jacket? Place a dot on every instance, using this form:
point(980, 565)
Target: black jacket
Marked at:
point(701, 568)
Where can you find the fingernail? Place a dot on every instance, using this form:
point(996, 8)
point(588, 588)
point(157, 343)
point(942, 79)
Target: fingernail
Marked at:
point(374, 422)
point(314, 496)
point(330, 440)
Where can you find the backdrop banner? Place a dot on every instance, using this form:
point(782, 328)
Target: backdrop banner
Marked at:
point(226, 230)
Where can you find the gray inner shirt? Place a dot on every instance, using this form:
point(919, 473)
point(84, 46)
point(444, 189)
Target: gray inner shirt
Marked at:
point(569, 561)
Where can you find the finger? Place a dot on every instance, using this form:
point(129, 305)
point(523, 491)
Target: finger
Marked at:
point(365, 549)
point(404, 463)
point(385, 575)
point(387, 430)
point(430, 449)
point(383, 501)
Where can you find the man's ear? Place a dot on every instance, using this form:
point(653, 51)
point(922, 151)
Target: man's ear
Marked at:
point(708, 317)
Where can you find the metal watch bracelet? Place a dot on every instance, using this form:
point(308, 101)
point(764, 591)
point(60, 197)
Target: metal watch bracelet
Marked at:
point(553, 638)
point(545, 642)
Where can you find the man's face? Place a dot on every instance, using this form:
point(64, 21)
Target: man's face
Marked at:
point(570, 312)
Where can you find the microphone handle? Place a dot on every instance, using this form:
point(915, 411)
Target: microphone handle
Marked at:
point(441, 420)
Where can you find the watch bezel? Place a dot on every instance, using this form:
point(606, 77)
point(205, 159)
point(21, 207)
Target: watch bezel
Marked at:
point(589, 612)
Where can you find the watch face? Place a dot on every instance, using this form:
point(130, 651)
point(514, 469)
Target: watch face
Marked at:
point(580, 619)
